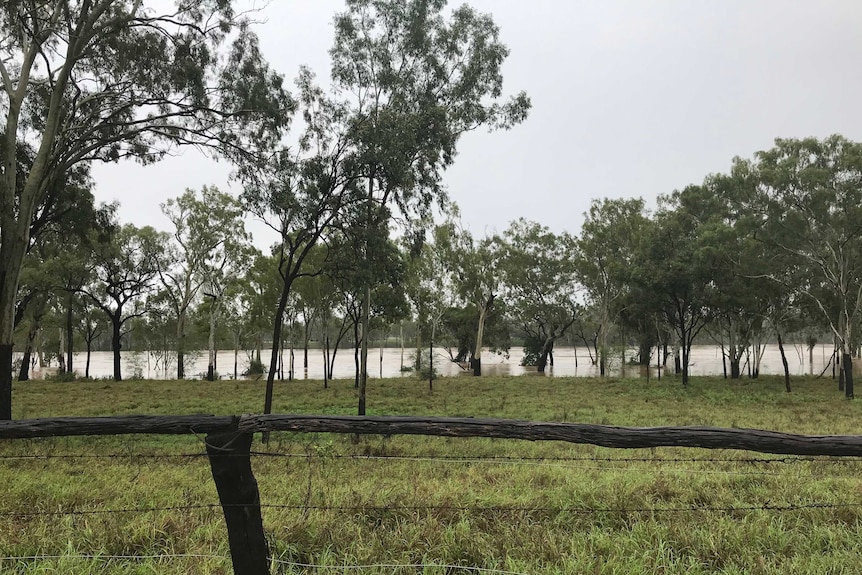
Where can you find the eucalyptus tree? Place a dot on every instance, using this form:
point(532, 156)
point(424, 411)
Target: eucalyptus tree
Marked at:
point(429, 288)
point(811, 193)
point(385, 268)
point(57, 237)
point(724, 227)
point(537, 267)
point(302, 194)
point(210, 246)
point(125, 265)
point(414, 82)
point(473, 268)
point(101, 80)
point(91, 324)
point(603, 260)
point(315, 299)
point(674, 268)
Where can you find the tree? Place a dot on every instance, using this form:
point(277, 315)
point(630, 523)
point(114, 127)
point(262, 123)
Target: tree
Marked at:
point(429, 286)
point(384, 269)
point(415, 82)
point(125, 264)
point(210, 244)
point(101, 80)
point(675, 273)
point(811, 192)
point(539, 277)
point(603, 259)
point(301, 195)
point(475, 278)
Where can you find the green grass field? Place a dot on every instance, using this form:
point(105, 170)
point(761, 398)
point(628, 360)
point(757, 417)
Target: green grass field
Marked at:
point(396, 503)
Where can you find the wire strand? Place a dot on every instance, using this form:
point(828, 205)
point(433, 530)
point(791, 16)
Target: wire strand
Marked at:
point(462, 508)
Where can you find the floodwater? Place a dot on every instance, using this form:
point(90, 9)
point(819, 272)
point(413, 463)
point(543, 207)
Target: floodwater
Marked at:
point(387, 362)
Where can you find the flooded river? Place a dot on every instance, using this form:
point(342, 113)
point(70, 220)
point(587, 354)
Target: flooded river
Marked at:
point(388, 362)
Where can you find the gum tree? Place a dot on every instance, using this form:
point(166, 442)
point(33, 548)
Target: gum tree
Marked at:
point(473, 266)
point(811, 196)
point(413, 82)
point(209, 244)
point(101, 80)
point(538, 272)
point(125, 266)
point(603, 259)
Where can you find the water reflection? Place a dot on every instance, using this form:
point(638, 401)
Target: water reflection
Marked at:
point(388, 362)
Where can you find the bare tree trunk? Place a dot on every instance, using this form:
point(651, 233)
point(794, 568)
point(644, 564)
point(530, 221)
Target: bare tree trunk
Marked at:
point(356, 345)
point(70, 334)
point(363, 360)
point(89, 353)
point(116, 343)
point(784, 362)
point(325, 361)
point(212, 353)
point(276, 343)
point(181, 346)
point(366, 303)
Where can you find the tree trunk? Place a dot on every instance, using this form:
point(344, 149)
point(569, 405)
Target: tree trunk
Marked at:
point(211, 366)
point(784, 362)
point(181, 346)
point(735, 371)
point(847, 365)
point(5, 381)
point(235, 358)
point(356, 346)
point(89, 353)
point(644, 352)
point(70, 334)
point(431, 361)
point(14, 236)
point(686, 352)
point(839, 366)
point(547, 348)
point(116, 342)
point(602, 336)
point(24, 371)
point(276, 344)
point(480, 335)
point(326, 361)
point(306, 337)
point(363, 359)
point(333, 349)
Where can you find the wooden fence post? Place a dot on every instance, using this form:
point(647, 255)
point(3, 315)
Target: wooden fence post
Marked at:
point(230, 461)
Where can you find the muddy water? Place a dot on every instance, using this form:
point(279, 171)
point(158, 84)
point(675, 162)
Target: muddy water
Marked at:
point(568, 361)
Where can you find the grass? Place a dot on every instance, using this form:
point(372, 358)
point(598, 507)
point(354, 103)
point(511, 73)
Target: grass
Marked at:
point(526, 507)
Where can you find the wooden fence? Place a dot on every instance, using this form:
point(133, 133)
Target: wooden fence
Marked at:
point(228, 442)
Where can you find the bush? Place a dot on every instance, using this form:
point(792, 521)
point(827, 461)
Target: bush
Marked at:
point(255, 367)
point(63, 377)
point(532, 352)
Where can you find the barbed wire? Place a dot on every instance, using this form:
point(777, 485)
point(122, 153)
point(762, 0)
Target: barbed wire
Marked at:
point(572, 462)
point(315, 566)
point(449, 458)
point(461, 508)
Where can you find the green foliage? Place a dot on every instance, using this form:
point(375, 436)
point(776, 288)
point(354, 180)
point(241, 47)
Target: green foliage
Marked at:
point(532, 351)
point(538, 272)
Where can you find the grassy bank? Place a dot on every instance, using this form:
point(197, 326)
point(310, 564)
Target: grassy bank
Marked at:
point(542, 507)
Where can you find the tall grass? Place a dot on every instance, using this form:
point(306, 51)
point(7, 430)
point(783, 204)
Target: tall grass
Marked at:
point(527, 507)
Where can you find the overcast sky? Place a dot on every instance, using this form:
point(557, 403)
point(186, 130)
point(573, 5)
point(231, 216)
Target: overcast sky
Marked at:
point(631, 98)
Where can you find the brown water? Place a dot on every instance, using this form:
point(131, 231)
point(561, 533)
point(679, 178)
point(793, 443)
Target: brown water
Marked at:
point(387, 362)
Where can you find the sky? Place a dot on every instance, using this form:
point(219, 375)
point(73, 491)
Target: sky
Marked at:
point(630, 99)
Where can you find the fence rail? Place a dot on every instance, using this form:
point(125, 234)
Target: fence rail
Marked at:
point(603, 435)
